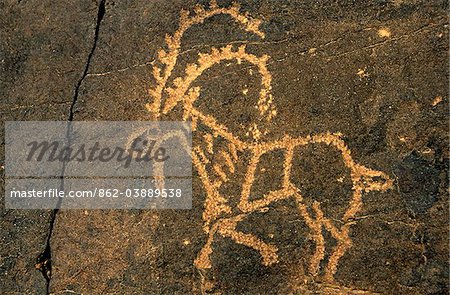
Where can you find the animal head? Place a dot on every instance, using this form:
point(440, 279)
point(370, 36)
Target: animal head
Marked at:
point(169, 91)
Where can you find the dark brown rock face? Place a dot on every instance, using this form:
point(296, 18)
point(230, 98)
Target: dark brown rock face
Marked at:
point(322, 128)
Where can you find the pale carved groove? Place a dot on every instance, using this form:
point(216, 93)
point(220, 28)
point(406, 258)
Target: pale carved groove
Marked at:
point(217, 215)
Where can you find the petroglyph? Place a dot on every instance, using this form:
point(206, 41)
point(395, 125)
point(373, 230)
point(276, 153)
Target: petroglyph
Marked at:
point(219, 217)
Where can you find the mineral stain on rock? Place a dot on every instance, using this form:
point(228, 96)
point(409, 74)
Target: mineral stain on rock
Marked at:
point(418, 182)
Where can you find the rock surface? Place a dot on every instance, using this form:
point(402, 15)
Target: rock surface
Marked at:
point(43, 50)
point(375, 72)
